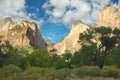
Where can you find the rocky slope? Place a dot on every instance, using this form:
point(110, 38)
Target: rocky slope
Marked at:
point(70, 42)
point(22, 33)
point(109, 17)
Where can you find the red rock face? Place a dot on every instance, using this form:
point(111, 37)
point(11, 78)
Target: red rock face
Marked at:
point(22, 33)
point(109, 17)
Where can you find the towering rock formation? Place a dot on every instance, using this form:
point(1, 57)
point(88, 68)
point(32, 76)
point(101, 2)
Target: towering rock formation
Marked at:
point(70, 42)
point(22, 33)
point(109, 17)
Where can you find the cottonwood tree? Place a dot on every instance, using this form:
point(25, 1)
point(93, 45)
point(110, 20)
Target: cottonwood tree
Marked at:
point(103, 40)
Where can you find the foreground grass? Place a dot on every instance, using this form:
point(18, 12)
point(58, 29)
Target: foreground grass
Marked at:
point(12, 72)
point(94, 78)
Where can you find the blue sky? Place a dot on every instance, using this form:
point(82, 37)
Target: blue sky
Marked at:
point(54, 16)
point(50, 31)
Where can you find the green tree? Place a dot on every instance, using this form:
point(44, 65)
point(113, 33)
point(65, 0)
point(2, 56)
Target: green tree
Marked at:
point(76, 59)
point(10, 55)
point(114, 57)
point(5, 52)
point(39, 58)
point(103, 39)
point(57, 61)
point(67, 56)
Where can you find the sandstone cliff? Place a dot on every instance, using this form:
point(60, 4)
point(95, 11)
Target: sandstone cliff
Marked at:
point(109, 17)
point(23, 33)
point(70, 42)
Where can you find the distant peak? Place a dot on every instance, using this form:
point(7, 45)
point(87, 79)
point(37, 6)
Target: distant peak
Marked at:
point(7, 19)
point(109, 17)
point(29, 21)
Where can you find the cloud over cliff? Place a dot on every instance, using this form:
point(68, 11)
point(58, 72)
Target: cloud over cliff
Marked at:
point(66, 11)
point(13, 8)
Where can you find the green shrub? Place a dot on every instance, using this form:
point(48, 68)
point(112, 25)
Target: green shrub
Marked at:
point(87, 71)
point(95, 71)
point(114, 57)
point(110, 72)
point(61, 74)
point(10, 72)
point(36, 73)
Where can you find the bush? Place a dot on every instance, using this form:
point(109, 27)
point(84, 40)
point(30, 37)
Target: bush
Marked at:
point(10, 72)
point(61, 74)
point(110, 72)
point(36, 73)
point(87, 71)
point(95, 71)
point(114, 57)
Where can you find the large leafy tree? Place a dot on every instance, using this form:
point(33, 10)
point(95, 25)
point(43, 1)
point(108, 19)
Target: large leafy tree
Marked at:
point(39, 58)
point(10, 55)
point(103, 40)
point(5, 52)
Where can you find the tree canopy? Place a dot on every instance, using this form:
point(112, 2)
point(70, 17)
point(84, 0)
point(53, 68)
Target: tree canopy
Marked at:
point(102, 39)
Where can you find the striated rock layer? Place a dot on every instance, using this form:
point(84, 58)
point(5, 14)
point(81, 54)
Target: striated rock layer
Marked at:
point(22, 33)
point(109, 17)
point(70, 42)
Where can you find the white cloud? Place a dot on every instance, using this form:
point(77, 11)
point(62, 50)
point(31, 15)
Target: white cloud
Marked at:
point(64, 4)
point(14, 9)
point(60, 7)
point(66, 11)
point(40, 22)
point(79, 9)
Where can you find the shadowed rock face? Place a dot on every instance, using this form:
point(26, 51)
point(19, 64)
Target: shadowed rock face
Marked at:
point(109, 17)
point(22, 33)
point(70, 42)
